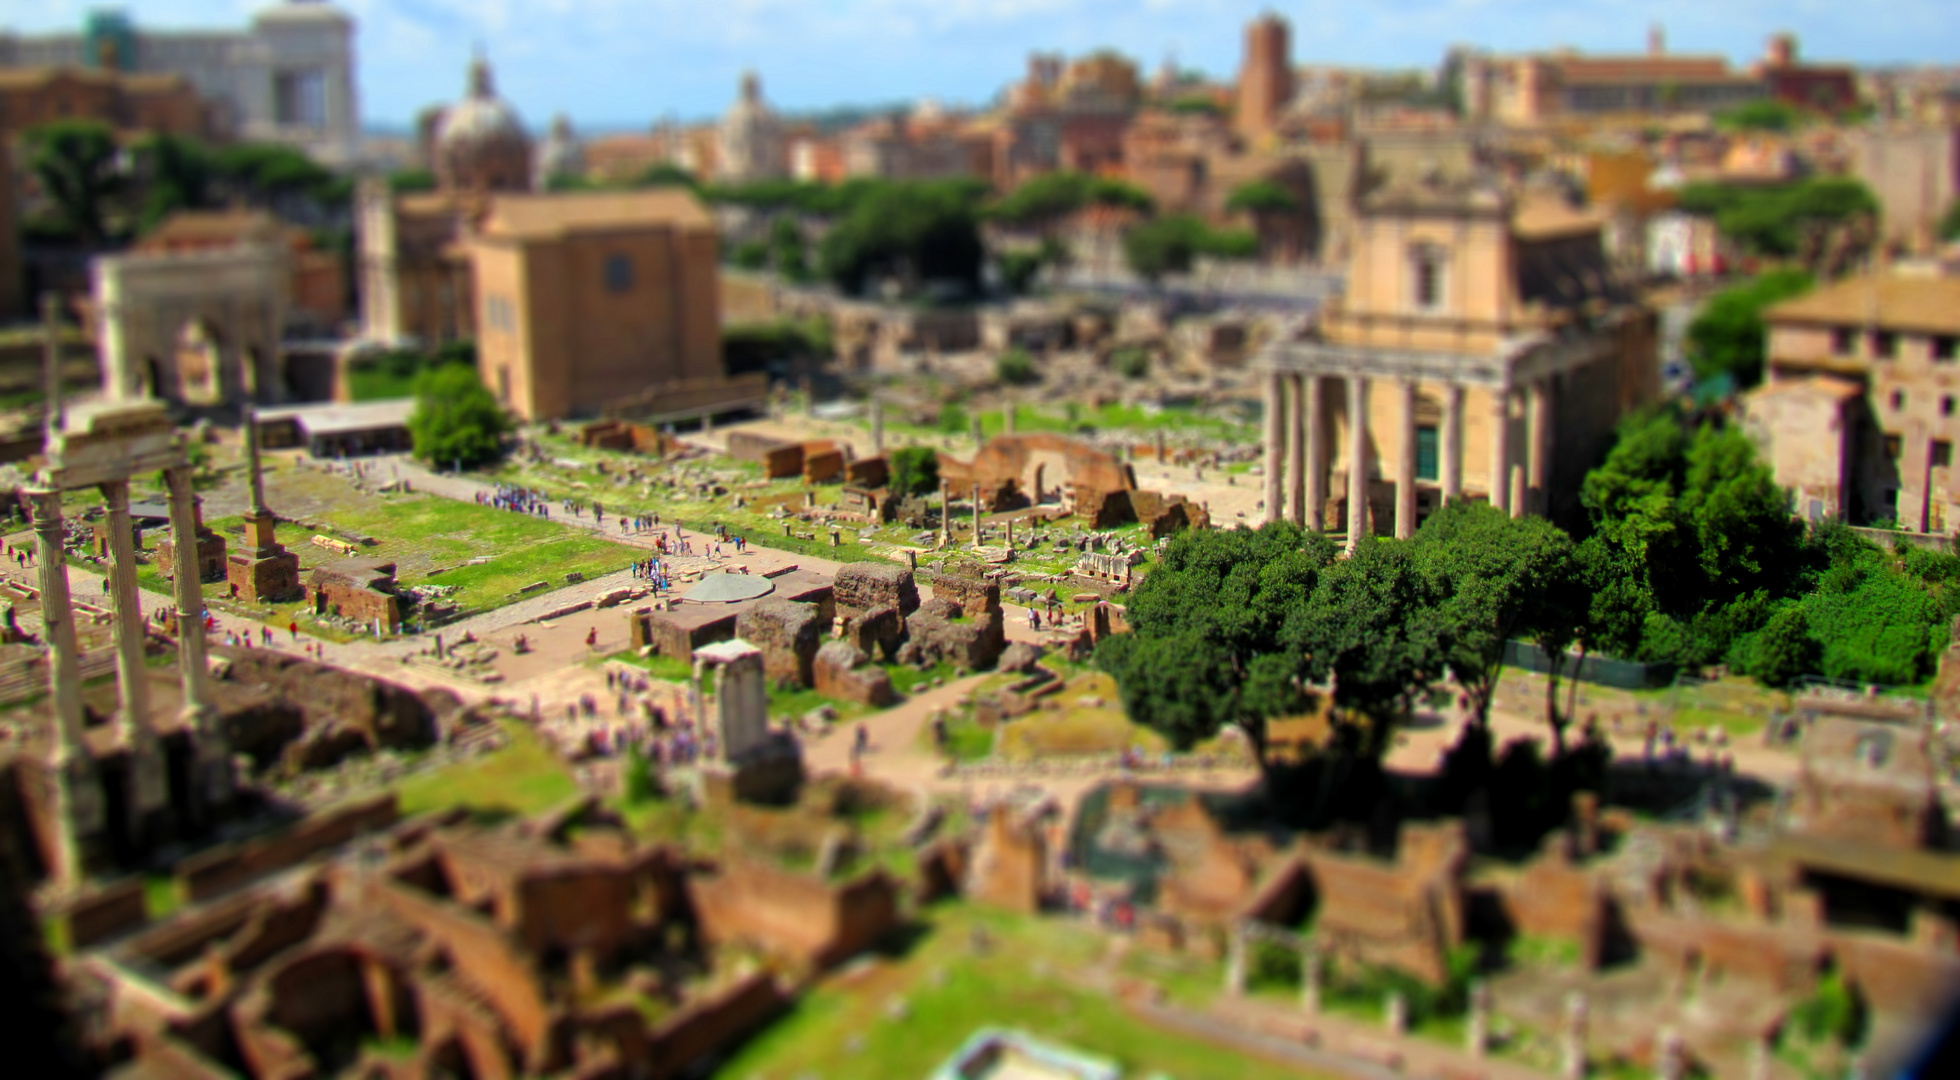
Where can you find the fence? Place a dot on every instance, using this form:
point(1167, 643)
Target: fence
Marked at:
point(1604, 670)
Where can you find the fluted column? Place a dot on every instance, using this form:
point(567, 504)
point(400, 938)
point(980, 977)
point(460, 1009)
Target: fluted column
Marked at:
point(1500, 447)
point(1296, 450)
point(190, 597)
point(132, 677)
point(1405, 462)
point(1538, 443)
point(1275, 437)
point(1357, 395)
point(1451, 438)
point(77, 809)
point(1316, 453)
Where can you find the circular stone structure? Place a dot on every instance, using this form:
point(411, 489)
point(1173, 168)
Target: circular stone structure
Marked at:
point(726, 588)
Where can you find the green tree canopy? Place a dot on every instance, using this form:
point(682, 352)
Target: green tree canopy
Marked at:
point(1950, 222)
point(1370, 629)
point(1728, 336)
point(1016, 368)
point(1258, 197)
point(1496, 578)
point(917, 232)
point(1044, 201)
point(1767, 115)
point(1210, 644)
point(1782, 220)
point(1117, 194)
point(914, 471)
point(403, 181)
point(76, 162)
point(456, 421)
point(180, 176)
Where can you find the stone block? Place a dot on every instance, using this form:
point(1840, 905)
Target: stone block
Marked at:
point(861, 587)
point(942, 634)
point(975, 595)
point(788, 634)
point(878, 632)
point(843, 671)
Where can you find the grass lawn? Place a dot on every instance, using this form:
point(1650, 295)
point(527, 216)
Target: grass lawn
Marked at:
point(160, 896)
point(1077, 728)
point(431, 539)
point(659, 665)
point(842, 1028)
point(522, 778)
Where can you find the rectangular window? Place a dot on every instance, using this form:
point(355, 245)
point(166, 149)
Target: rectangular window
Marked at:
point(503, 385)
point(1428, 452)
point(1942, 453)
point(299, 98)
point(619, 273)
point(1892, 448)
point(1885, 345)
point(1841, 341)
point(1946, 347)
point(1429, 282)
point(1898, 400)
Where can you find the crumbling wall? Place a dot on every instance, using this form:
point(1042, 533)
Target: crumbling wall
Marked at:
point(844, 672)
point(1008, 865)
point(940, 632)
point(788, 634)
point(879, 631)
point(1555, 899)
point(343, 712)
point(799, 916)
point(860, 587)
point(226, 867)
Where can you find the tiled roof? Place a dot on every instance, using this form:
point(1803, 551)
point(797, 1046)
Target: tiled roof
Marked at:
point(1922, 304)
point(542, 216)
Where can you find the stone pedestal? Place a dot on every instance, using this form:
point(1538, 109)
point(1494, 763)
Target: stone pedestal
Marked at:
point(1235, 965)
point(1476, 1037)
point(1311, 974)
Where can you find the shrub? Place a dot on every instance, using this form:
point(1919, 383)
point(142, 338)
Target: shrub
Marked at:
point(1130, 361)
point(1835, 1010)
point(1016, 368)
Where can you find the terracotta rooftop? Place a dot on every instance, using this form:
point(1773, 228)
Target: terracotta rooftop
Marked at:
point(1820, 385)
point(1923, 304)
point(233, 225)
point(550, 216)
point(1644, 68)
point(1544, 219)
point(34, 77)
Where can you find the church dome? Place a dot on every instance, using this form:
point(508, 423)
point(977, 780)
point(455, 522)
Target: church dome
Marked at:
point(479, 142)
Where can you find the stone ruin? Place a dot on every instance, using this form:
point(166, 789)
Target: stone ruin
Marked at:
point(788, 633)
point(845, 672)
point(556, 945)
point(963, 624)
point(262, 571)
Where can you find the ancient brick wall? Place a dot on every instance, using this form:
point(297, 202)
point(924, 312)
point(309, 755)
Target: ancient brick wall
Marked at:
point(974, 594)
point(788, 634)
point(210, 557)
point(797, 915)
point(228, 867)
point(706, 1026)
point(105, 913)
point(1382, 913)
point(482, 955)
point(1008, 865)
point(671, 637)
point(860, 587)
point(972, 644)
point(1776, 957)
point(1896, 976)
point(822, 466)
point(842, 670)
point(1555, 899)
point(868, 473)
point(358, 602)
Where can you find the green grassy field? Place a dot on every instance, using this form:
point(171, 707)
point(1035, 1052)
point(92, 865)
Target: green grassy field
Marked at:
point(522, 778)
point(843, 1028)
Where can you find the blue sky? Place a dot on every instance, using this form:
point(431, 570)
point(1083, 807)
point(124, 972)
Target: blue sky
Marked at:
point(624, 63)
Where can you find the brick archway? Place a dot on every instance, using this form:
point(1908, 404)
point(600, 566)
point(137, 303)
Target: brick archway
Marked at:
point(235, 301)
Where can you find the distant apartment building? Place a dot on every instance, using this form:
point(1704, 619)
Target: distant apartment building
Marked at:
point(1914, 171)
point(131, 104)
point(1831, 88)
point(286, 78)
point(1860, 409)
point(1543, 88)
point(927, 145)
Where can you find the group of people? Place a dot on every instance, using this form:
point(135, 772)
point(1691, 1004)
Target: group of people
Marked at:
point(23, 556)
point(652, 571)
point(520, 500)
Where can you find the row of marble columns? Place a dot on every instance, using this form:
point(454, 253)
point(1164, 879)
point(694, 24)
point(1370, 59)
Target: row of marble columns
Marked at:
point(80, 809)
point(1296, 450)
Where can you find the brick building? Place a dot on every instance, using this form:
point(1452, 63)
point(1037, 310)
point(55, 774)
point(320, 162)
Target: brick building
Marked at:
point(362, 590)
point(317, 280)
point(130, 103)
point(1265, 78)
point(602, 302)
point(1859, 413)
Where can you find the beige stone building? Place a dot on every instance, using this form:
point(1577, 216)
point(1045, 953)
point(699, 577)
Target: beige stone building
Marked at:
point(1860, 410)
point(602, 303)
point(1483, 346)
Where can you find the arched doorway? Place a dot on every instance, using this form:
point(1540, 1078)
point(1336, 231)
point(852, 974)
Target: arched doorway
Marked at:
point(200, 364)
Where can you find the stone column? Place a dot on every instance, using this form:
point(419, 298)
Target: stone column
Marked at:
point(1310, 978)
point(1296, 448)
point(191, 664)
point(1520, 491)
point(1235, 963)
point(1316, 453)
point(146, 766)
point(78, 804)
point(1357, 395)
point(1451, 438)
point(1476, 1034)
point(945, 514)
point(1405, 463)
point(1572, 1065)
point(1275, 437)
point(1007, 417)
point(1500, 447)
point(877, 426)
point(1670, 1058)
point(1538, 444)
point(1395, 1013)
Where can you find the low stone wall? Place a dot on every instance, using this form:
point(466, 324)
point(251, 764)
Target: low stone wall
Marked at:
point(105, 913)
point(222, 869)
point(800, 916)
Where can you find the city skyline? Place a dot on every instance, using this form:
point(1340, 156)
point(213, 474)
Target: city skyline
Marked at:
point(566, 56)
